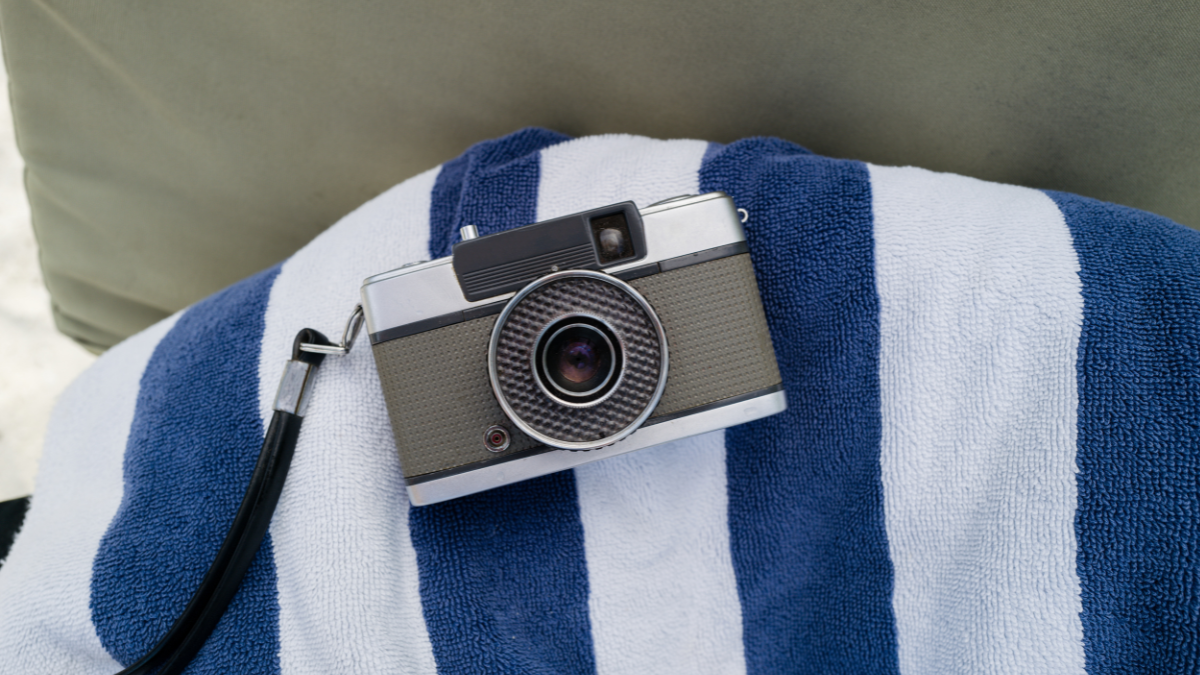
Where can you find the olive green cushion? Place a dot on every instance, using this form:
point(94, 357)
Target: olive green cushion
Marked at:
point(173, 148)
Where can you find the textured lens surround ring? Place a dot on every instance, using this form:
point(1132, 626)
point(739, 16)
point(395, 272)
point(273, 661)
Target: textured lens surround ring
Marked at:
point(546, 301)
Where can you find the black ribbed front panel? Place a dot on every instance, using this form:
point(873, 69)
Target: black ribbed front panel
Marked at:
point(515, 275)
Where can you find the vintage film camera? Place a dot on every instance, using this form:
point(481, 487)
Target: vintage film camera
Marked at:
point(570, 340)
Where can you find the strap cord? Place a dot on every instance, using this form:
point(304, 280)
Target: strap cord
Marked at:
point(184, 639)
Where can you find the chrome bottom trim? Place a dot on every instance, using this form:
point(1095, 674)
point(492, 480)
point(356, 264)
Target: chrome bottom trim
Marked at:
point(497, 475)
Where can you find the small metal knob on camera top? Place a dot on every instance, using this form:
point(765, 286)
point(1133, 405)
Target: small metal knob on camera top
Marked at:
point(468, 232)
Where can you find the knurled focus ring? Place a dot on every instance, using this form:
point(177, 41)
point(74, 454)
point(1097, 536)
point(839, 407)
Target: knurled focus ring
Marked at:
point(643, 350)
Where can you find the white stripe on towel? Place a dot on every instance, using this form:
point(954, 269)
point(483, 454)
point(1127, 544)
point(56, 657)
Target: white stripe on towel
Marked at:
point(663, 592)
point(349, 600)
point(600, 170)
point(46, 582)
point(980, 314)
point(663, 596)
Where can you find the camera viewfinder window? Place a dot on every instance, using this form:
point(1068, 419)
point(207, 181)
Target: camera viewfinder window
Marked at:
point(611, 234)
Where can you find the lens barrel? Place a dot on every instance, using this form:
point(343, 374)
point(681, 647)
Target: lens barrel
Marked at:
point(578, 360)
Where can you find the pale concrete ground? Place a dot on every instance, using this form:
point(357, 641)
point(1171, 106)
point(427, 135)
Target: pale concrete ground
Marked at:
point(38, 361)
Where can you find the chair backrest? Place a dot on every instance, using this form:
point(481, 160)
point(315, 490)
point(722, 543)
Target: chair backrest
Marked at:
point(173, 149)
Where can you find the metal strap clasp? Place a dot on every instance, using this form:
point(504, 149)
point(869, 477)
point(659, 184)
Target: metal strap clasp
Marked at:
point(353, 325)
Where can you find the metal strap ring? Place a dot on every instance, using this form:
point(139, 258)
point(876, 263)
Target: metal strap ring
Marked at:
point(353, 325)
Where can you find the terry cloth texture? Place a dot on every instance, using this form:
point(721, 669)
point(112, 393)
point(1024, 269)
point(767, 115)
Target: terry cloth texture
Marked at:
point(988, 464)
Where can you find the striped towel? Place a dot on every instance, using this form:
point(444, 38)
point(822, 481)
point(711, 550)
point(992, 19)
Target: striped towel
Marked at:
point(990, 462)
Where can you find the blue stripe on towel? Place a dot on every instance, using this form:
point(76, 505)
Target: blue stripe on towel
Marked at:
point(503, 574)
point(805, 498)
point(1139, 438)
point(193, 443)
point(493, 185)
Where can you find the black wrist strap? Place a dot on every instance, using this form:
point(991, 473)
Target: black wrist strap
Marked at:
point(183, 640)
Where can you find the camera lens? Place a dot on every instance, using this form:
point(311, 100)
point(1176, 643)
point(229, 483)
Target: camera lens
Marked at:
point(578, 359)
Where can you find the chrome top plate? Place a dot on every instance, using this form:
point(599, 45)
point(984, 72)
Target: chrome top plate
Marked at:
point(425, 290)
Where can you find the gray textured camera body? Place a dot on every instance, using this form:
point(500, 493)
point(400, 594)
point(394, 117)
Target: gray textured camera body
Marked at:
point(571, 340)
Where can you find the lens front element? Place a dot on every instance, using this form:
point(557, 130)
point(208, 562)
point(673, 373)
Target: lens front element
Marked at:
point(577, 360)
